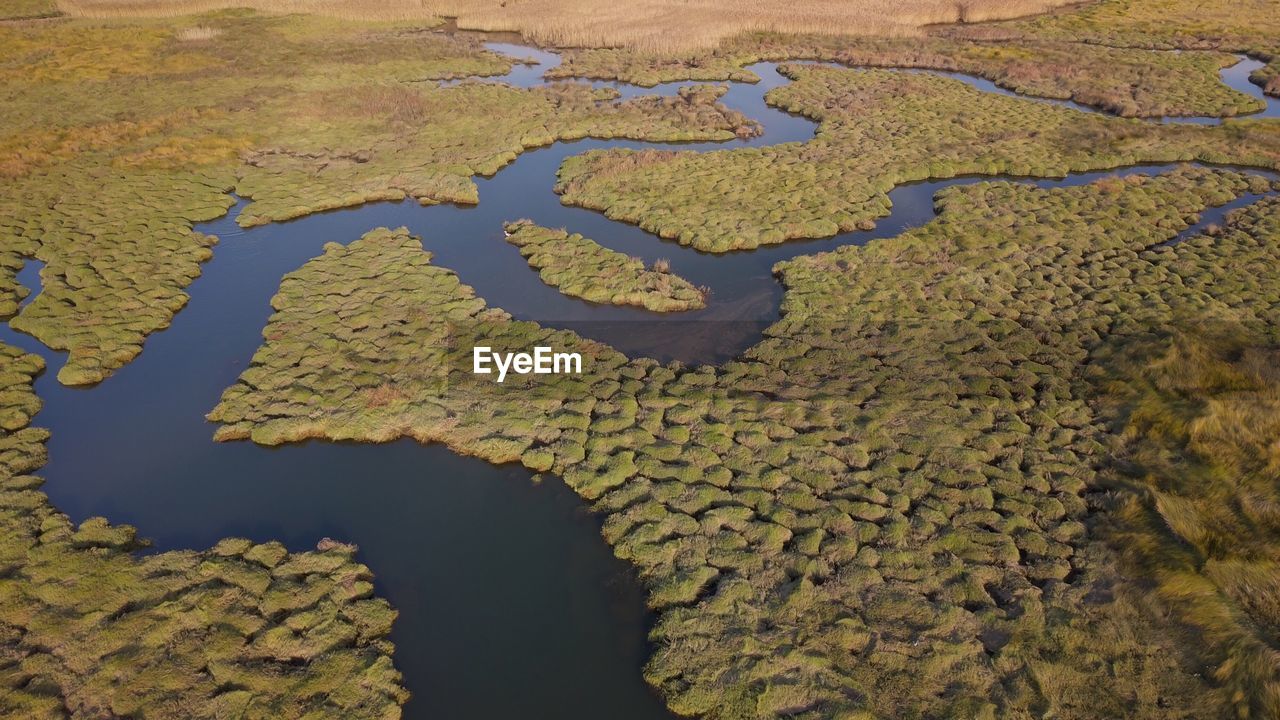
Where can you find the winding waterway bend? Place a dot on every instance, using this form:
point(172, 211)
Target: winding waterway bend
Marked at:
point(511, 604)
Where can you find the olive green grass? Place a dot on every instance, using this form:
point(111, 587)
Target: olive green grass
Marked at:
point(1220, 25)
point(1162, 24)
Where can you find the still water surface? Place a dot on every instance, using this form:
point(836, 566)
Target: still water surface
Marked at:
point(511, 604)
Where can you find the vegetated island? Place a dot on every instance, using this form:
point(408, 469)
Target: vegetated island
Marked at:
point(580, 267)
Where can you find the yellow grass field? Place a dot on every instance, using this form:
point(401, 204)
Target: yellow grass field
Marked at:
point(654, 25)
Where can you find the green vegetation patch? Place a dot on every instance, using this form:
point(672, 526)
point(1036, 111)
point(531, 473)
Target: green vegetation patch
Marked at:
point(878, 129)
point(117, 250)
point(580, 267)
point(884, 507)
point(1269, 76)
point(647, 70)
point(89, 629)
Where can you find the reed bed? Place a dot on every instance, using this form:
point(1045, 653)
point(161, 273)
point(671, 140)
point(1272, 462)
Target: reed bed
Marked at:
point(392, 10)
point(20, 10)
point(651, 25)
point(198, 33)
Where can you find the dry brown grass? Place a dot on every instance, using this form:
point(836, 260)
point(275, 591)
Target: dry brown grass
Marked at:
point(396, 102)
point(198, 33)
point(383, 395)
point(343, 9)
point(652, 25)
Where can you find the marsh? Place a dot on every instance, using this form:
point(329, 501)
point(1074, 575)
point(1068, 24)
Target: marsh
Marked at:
point(934, 355)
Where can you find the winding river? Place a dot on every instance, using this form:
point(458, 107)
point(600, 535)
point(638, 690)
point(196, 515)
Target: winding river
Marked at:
point(511, 604)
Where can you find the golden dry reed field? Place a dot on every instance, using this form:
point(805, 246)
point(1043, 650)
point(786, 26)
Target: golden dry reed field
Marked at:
point(653, 25)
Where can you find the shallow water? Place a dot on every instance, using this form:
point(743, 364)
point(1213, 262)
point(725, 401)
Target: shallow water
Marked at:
point(511, 604)
point(1237, 77)
point(1217, 216)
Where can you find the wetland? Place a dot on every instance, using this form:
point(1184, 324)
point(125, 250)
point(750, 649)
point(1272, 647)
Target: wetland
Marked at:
point(755, 466)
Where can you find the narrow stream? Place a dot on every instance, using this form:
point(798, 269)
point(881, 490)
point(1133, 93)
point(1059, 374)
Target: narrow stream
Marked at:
point(511, 605)
point(1237, 77)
